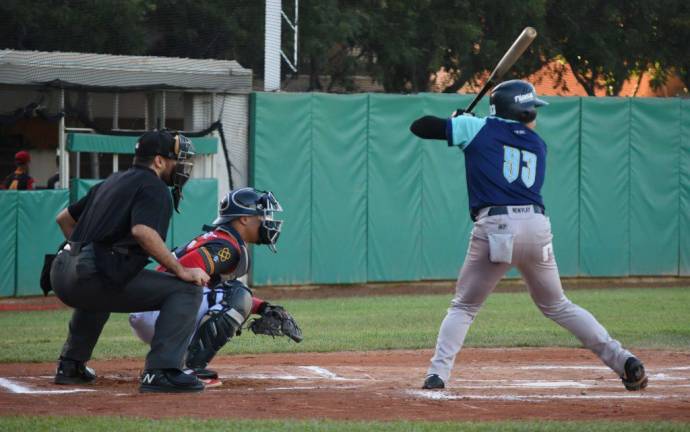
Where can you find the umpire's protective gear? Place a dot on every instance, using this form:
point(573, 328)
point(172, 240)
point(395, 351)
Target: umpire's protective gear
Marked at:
point(515, 100)
point(218, 326)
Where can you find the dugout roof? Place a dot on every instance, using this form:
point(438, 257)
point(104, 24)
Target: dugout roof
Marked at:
point(104, 72)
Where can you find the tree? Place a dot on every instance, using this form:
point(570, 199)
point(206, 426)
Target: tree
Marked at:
point(604, 42)
point(408, 42)
point(328, 42)
point(672, 53)
point(106, 26)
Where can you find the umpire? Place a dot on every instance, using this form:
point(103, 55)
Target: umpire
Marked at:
point(111, 234)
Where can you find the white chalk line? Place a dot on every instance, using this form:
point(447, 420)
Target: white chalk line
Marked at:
point(440, 395)
point(17, 388)
point(580, 367)
point(317, 373)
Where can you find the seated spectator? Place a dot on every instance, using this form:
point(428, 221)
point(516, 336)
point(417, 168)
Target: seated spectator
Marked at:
point(54, 180)
point(20, 178)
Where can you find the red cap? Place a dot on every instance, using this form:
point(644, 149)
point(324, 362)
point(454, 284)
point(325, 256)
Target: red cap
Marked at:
point(22, 157)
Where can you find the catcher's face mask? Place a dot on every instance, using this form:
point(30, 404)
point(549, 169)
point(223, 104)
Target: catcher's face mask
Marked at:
point(269, 231)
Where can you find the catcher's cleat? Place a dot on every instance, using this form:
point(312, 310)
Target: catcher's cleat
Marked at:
point(433, 382)
point(204, 374)
point(73, 372)
point(211, 383)
point(635, 377)
point(169, 381)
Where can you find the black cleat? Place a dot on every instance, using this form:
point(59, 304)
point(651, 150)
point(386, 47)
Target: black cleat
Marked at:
point(169, 381)
point(73, 372)
point(433, 382)
point(635, 377)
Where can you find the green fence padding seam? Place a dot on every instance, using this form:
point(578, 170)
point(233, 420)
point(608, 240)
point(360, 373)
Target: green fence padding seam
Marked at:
point(605, 187)
point(339, 189)
point(684, 160)
point(199, 206)
point(654, 186)
point(395, 189)
point(9, 202)
point(85, 142)
point(80, 187)
point(446, 222)
point(281, 134)
point(37, 234)
point(558, 125)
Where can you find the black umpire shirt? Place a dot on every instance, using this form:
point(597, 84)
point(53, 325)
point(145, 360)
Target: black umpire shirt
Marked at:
point(106, 215)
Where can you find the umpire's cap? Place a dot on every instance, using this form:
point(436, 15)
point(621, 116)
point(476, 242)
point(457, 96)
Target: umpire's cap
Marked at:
point(515, 100)
point(157, 142)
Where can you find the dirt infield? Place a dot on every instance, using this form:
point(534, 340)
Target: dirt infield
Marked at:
point(490, 384)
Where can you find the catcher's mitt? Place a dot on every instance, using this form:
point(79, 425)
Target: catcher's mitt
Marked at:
point(276, 321)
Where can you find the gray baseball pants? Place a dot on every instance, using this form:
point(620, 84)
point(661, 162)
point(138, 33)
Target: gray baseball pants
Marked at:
point(77, 282)
point(532, 254)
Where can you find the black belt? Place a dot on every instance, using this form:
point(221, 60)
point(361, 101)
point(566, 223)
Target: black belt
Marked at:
point(503, 210)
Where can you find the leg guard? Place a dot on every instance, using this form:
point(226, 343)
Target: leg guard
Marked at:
point(220, 324)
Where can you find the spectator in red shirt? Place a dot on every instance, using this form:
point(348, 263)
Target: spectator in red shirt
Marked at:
point(20, 178)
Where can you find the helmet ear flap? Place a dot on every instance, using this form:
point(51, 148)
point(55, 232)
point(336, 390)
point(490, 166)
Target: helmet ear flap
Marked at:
point(528, 116)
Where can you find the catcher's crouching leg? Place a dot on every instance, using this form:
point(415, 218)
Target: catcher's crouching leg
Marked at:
point(219, 325)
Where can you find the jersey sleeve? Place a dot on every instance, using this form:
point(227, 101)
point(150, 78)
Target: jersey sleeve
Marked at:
point(257, 304)
point(196, 259)
point(222, 255)
point(461, 130)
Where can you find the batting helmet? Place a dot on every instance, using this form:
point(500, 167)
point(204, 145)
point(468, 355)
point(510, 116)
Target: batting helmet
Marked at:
point(248, 201)
point(515, 100)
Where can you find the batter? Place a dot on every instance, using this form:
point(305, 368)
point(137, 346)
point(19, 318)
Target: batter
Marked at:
point(505, 163)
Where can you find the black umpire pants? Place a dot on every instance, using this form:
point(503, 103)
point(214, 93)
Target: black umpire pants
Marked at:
point(78, 283)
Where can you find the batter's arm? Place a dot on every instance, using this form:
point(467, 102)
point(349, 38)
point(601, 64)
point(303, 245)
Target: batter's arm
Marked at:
point(430, 127)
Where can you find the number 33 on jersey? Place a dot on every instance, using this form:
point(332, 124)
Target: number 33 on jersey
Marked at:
point(505, 160)
point(512, 167)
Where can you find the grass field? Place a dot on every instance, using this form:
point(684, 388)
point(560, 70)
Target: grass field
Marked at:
point(640, 318)
point(90, 424)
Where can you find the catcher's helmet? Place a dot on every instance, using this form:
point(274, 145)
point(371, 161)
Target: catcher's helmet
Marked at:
point(248, 201)
point(515, 100)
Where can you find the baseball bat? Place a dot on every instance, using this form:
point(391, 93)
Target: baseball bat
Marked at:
point(507, 61)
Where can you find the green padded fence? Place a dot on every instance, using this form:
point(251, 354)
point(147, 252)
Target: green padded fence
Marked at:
point(367, 201)
point(29, 230)
point(8, 241)
point(37, 234)
point(684, 244)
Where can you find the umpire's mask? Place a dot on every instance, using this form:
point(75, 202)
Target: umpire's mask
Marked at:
point(184, 153)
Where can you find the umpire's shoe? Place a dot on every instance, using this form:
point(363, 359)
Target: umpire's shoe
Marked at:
point(635, 377)
point(169, 381)
point(433, 382)
point(73, 372)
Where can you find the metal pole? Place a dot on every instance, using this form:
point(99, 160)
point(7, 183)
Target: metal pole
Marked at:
point(116, 121)
point(162, 109)
point(64, 157)
point(147, 120)
point(95, 167)
point(272, 52)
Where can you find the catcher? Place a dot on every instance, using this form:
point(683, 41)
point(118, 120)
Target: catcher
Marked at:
point(245, 216)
